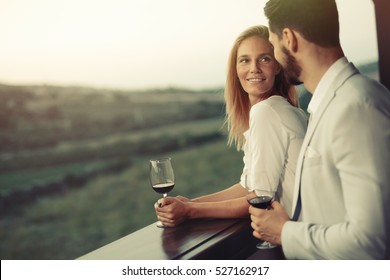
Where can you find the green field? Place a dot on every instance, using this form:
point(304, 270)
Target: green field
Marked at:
point(36, 168)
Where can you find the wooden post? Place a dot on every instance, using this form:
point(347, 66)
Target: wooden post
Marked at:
point(382, 9)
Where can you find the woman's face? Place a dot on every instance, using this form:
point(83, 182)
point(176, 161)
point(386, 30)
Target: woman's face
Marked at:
point(256, 68)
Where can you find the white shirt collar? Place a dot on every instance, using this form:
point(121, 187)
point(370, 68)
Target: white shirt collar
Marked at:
point(324, 84)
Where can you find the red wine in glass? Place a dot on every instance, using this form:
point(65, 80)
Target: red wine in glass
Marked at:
point(262, 202)
point(163, 187)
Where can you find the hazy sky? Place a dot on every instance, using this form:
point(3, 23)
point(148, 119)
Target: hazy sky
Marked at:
point(143, 43)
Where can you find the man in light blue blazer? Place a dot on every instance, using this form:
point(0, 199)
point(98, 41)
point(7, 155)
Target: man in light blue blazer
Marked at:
point(342, 189)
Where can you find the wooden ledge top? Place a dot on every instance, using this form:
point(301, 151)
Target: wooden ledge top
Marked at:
point(194, 239)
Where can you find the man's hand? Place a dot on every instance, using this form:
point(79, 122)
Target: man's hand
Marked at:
point(267, 224)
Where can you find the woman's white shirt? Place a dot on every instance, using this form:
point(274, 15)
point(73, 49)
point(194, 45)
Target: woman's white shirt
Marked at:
point(272, 145)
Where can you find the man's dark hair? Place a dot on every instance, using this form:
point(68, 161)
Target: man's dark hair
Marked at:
point(316, 20)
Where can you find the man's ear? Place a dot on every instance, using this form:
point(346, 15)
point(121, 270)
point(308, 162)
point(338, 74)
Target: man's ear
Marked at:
point(290, 39)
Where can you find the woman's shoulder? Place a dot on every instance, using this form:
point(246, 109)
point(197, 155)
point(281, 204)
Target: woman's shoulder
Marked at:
point(288, 114)
point(264, 107)
point(277, 104)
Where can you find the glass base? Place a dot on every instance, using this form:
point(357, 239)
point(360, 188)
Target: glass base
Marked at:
point(159, 224)
point(265, 245)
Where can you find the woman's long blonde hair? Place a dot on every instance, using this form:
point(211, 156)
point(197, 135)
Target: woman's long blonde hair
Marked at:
point(237, 100)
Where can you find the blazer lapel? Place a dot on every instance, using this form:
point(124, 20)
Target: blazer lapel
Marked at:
point(347, 72)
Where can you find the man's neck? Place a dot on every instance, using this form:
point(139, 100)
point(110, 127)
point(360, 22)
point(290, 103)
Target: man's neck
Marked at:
point(315, 62)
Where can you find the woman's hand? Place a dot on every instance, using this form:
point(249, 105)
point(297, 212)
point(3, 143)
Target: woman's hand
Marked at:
point(172, 211)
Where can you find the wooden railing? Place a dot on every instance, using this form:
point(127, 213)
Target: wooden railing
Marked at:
point(204, 239)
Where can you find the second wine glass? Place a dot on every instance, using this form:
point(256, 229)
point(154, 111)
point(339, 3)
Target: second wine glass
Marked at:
point(162, 177)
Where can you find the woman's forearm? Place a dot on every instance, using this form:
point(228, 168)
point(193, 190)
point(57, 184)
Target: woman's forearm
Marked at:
point(232, 208)
point(233, 192)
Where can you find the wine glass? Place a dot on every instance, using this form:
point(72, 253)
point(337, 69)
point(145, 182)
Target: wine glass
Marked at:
point(161, 177)
point(263, 200)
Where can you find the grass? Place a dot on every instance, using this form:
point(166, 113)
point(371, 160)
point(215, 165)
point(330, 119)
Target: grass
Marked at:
point(111, 206)
point(23, 180)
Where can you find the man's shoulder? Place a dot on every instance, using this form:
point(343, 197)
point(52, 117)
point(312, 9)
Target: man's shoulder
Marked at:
point(359, 87)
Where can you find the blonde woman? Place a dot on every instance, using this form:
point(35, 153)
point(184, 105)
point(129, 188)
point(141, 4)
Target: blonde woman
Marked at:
point(263, 120)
